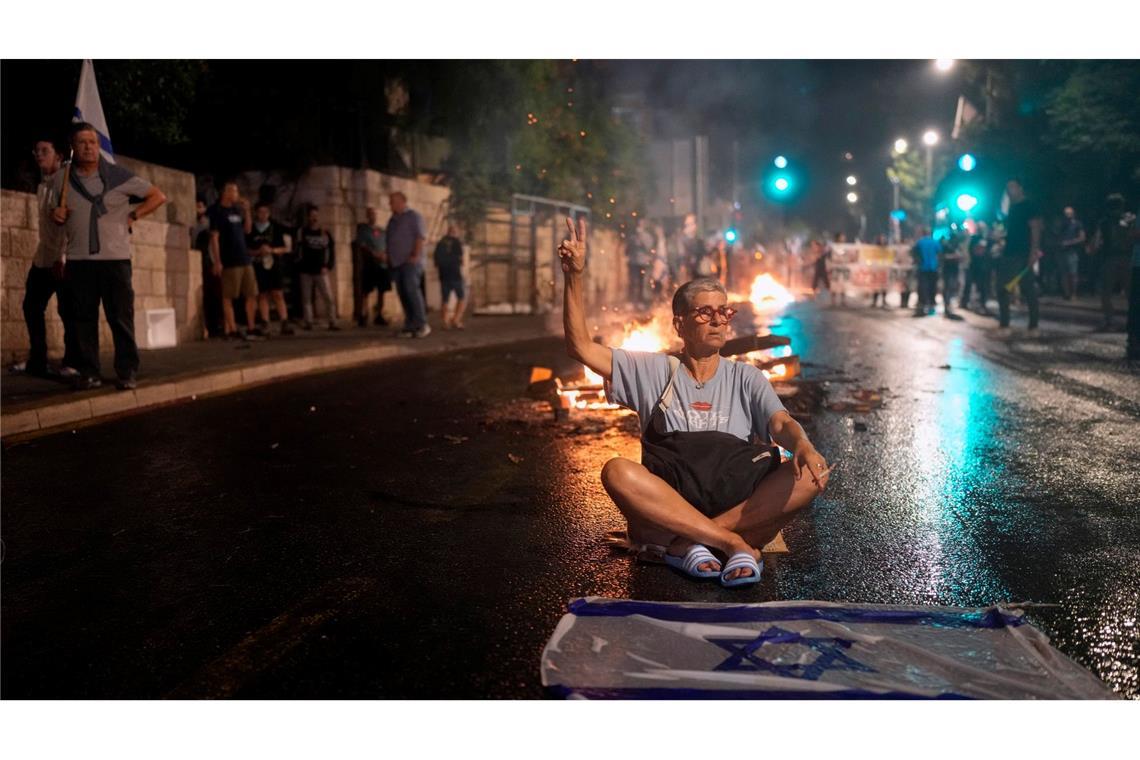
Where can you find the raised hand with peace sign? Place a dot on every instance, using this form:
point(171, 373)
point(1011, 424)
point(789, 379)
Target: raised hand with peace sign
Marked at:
point(573, 249)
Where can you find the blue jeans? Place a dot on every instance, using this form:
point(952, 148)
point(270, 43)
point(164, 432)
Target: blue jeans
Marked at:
point(407, 278)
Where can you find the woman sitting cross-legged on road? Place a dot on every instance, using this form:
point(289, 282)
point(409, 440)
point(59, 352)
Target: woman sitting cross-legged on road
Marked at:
point(701, 482)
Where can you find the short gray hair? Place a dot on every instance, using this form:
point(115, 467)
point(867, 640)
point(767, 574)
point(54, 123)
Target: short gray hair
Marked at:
point(683, 298)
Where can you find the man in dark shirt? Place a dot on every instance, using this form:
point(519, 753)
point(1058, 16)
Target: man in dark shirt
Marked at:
point(978, 271)
point(951, 256)
point(449, 261)
point(316, 254)
point(1113, 244)
point(1072, 243)
point(229, 223)
point(213, 320)
point(369, 269)
point(266, 242)
point(1022, 250)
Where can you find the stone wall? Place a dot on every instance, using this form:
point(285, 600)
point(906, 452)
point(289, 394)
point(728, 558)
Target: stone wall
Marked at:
point(343, 197)
point(536, 265)
point(165, 269)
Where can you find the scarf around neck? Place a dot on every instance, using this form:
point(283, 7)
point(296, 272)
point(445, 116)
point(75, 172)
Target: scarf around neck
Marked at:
point(112, 176)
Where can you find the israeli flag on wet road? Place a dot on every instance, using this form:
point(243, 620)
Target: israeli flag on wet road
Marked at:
point(88, 108)
point(626, 649)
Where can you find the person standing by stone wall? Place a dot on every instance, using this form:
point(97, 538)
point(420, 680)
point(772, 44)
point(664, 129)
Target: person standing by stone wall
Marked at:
point(101, 206)
point(369, 269)
point(266, 242)
point(449, 262)
point(230, 222)
point(213, 319)
point(317, 256)
point(405, 243)
point(46, 275)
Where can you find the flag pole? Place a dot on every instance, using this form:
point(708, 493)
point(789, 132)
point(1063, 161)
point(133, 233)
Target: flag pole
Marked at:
point(66, 179)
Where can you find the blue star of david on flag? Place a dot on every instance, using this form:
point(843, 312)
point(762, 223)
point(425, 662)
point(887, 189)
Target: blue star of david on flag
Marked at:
point(746, 656)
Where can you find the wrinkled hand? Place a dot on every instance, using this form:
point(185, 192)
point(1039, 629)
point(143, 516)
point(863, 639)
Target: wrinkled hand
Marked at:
point(59, 214)
point(573, 249)
point(217, 269)
point(58, 269)
point(807, 458)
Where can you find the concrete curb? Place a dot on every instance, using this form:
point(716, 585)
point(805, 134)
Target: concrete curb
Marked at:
point(69, 411)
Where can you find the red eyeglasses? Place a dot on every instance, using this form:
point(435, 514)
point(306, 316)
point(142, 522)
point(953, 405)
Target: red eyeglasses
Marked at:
point(704, 314)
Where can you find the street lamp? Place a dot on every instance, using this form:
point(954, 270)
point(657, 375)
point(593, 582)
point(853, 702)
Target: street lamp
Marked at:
point(901, 145)
point(930, 137)
point(851, 179)
point(944, 64)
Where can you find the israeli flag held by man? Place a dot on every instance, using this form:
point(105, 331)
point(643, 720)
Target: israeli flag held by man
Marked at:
point(88, 108)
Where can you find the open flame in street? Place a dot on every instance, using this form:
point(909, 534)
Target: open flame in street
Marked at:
point(769, 295)
point(657, 336)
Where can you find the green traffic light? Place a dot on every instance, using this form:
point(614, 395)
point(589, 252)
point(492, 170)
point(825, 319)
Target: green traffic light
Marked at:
point(966, 202)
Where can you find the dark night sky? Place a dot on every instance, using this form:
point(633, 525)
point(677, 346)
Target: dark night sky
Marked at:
point(811, 111)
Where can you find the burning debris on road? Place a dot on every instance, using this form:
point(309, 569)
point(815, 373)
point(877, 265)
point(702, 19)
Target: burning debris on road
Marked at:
point(771, 353)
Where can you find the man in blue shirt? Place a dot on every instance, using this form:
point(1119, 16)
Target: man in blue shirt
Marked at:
point(230, 222)
point(925, 253)
point(405, 243)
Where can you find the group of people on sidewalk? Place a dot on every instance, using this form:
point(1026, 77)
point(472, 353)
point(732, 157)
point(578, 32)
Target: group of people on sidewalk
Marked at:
point(256, 259)
point(86, 212)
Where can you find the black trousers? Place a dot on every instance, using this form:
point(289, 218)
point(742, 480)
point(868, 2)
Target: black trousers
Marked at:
point(109, 283)
point(1008, 267)
point(927, 289)
point(977, 276)
point(950, 276)
point(41, 285)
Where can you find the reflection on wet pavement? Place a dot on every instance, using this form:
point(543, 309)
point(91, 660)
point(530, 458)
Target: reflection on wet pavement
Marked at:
point(973, 484)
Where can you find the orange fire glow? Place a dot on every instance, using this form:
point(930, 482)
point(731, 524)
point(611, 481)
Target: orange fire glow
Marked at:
point(768, 294)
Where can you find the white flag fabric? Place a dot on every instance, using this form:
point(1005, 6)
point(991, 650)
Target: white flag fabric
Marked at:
point(964, 116)
point(625, 649)
point(88, 108)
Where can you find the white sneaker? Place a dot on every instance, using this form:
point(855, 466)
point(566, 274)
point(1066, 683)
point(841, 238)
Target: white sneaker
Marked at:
point(68, 371)
point(424, 331)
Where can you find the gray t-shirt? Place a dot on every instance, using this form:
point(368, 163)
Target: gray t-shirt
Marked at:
point(738, 399)
point(403, 230)
point(114, 240)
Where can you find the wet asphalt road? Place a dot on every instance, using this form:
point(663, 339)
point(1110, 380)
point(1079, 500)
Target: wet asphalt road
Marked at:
point(325, 538)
